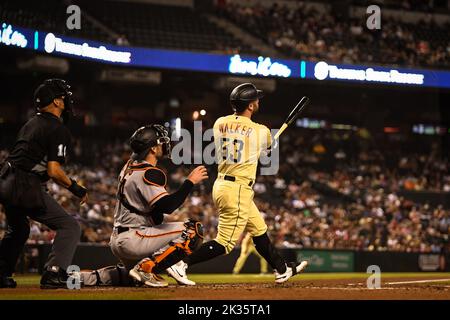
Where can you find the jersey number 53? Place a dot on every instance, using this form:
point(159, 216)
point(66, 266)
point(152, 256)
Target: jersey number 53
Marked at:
point(232, 149)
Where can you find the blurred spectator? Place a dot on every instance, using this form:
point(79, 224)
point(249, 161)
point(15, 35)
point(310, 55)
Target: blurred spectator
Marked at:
point(307, 33)
point(364, 213)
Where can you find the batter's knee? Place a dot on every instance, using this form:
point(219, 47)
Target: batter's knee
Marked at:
point(258, 233)
point(228, 245)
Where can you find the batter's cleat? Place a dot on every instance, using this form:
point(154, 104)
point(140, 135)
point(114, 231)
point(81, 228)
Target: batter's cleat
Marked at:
point(54, 278)
point(148, 278)
point(291, 270)
point(7, 282)
point(178, 272)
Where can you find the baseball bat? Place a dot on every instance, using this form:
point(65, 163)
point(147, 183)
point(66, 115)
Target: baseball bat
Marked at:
point(292, 116)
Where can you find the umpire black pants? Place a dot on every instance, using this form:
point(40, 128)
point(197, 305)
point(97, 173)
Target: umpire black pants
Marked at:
point(67, 229)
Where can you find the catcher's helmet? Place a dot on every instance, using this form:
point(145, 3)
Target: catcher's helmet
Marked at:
point(51, 89)
point(149, 136)
point(242, 95)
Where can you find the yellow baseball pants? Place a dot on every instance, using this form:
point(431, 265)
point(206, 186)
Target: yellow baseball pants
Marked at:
point(237, 212)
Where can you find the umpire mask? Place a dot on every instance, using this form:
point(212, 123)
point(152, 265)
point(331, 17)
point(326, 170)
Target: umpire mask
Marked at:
point(51, 89)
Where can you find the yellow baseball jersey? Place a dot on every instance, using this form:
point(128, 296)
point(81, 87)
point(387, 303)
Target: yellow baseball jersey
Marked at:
point(239, 142)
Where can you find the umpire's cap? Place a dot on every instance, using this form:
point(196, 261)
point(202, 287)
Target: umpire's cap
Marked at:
point(243, 94)
point(149, 136)
point(51, 89)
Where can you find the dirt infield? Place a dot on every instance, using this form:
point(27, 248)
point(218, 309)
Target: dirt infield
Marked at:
point(252, 287)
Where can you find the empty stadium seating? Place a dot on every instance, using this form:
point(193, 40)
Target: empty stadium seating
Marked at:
point(162, 26)
point(49, 16)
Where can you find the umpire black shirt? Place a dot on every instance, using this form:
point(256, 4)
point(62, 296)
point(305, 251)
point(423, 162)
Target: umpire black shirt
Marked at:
point(42, 139)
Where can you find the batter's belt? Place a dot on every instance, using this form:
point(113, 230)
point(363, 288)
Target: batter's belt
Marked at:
point(239, 180)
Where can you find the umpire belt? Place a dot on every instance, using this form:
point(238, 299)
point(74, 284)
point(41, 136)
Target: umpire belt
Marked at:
point(239, 180)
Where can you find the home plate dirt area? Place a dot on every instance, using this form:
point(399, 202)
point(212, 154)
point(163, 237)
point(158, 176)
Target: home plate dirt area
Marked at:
point(309, 286)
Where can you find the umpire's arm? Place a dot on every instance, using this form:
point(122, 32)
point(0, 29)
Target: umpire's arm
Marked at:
point(57, 174)
point(59, 140)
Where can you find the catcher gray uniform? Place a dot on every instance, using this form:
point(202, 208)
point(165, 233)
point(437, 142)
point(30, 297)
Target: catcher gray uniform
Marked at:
point(138, 233)
point(144, 185)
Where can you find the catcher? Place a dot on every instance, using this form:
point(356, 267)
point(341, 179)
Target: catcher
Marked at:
point(141, 240)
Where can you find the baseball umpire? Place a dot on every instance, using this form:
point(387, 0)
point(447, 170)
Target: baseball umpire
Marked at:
point(145, 244)
point(37, 156)
point(239, 143)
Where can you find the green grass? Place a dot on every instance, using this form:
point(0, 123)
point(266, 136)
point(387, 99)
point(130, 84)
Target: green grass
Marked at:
point(33, 280)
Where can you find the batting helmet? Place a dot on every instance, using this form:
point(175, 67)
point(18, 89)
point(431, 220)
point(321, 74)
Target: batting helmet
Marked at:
point(149, 136)
point(242, 95)
point(51, 89)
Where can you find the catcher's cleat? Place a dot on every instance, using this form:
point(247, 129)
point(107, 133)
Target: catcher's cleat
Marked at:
point(178, 272)
point(291, 270)
point(147, 278)
point(7, 282)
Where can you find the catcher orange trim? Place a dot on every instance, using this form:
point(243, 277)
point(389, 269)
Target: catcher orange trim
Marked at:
point(157, 197)
point(155, 184)
point(157, 235)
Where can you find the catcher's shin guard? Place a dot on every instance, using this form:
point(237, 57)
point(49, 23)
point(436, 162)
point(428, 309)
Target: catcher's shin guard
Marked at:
point(189, 241)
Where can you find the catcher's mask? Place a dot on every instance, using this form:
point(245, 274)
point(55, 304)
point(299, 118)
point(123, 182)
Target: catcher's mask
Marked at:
point(149, 136)
point(51, 89)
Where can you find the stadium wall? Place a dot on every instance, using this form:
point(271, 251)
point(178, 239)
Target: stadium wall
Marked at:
point(94, 256)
